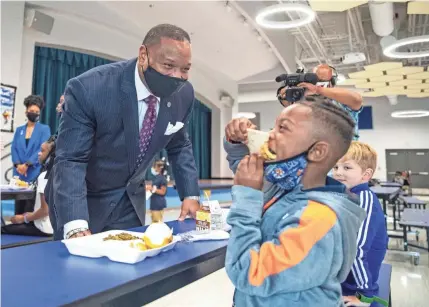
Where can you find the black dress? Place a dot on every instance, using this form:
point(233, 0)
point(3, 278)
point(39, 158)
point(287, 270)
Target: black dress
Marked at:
point(158, 202)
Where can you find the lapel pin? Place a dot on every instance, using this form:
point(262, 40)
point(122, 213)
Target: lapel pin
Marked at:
point(168, 104)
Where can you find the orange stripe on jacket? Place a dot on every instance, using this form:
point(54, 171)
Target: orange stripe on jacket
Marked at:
point(295, 243)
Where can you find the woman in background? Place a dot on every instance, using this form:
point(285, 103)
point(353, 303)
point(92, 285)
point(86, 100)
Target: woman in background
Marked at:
point(27, 141)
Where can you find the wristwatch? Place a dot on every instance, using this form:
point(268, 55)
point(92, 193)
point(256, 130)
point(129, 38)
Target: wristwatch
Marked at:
point(197, 198)
point(25, 218)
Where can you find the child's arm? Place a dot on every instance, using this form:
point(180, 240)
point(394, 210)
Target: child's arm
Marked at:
point(234, 153)
point(299, 256)
point(360, 268)
point(161, 188)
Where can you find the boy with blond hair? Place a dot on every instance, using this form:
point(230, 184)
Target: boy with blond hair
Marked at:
point(354, 170)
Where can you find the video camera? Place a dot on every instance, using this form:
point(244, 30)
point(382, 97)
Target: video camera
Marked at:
point(293, 92)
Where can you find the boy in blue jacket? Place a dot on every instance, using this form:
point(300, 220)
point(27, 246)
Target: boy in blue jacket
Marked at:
point(293, 242)
point(354, 170)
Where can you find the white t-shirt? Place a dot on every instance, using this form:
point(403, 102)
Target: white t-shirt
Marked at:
point(43, 224)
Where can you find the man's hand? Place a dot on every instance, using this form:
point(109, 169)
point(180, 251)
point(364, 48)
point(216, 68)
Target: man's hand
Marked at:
point(189, 207)
point(17, 219)
point(81, 234)
point(354, 301)
point(236, 130)
point(250, 172)
point(311, 88)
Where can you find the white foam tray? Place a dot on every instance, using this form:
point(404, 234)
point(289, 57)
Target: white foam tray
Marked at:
point(119, 251)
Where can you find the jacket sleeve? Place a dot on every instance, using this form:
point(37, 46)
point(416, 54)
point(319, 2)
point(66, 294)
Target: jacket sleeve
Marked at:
point(15, 154)
point(360, 268)
point(281, 264)
point(45, 134)
point(181, 155)
point(73, 149)
point(234, 153)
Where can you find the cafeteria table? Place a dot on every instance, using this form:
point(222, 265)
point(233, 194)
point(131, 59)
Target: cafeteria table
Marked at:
point(387, 184)
point(49, 276)
point(8, 241)
point(385, 193)
point(16, 194)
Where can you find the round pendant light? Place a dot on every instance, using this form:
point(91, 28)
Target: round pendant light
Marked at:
point(262, 16)
point(410, 113)
point(390, 46)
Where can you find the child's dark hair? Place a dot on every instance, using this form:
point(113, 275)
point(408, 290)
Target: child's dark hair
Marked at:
point(333, 121)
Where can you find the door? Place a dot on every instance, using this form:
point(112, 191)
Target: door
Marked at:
point(419, 166)
point(414, 160)
point(396, 160)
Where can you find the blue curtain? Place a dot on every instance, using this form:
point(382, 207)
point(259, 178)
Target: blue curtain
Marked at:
point(200, 131)
point(52, 69)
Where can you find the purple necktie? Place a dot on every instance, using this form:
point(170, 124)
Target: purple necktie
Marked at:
point(147, 127)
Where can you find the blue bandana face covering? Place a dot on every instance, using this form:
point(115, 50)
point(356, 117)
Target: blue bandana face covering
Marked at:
point(286, 174)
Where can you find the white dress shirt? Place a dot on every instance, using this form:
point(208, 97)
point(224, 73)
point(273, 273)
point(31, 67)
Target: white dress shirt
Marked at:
point(142, 93)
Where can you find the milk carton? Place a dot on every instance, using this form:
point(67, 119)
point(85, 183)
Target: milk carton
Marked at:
point(209, 217)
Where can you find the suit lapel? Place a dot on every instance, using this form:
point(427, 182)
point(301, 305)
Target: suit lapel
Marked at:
point(130, 117)
point(165, 115)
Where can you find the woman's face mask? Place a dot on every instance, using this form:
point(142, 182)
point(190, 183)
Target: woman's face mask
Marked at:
point(33, 117)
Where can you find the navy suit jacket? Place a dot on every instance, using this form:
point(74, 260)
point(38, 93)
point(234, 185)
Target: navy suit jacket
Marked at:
point(97, 147)
point(21, 153)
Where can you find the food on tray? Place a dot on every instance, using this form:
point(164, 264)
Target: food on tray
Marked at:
point(123, 236)
point(158, 235)
point(139, 245)
point(266, 153)
point(21, 183)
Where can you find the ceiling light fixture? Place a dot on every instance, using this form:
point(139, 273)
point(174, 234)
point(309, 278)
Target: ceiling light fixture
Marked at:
point(248, 115)
point(410, 114)
point(390, 45)
point(309, 16)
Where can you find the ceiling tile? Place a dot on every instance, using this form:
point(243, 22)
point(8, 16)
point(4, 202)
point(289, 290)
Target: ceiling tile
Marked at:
point(384, 66)
point(386, 78)
point(339, 6)
point(365, 74)
point(404, 82)
point(419, 86)
point(371, 85)
point(421, 75)
point(418, 8)
point(404, 71)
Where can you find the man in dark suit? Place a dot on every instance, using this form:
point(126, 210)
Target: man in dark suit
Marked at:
point(115, 118)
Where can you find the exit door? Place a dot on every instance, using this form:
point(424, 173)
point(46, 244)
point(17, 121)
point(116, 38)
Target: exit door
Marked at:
point(414, 160)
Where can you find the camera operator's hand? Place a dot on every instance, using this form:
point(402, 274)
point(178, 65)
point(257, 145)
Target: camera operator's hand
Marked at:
point(311, 88)
point(236, 130)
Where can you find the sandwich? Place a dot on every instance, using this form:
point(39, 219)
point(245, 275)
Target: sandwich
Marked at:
point(258, 144)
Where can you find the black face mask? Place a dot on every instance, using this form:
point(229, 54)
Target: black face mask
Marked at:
point(161, 85)
point(33, 117)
